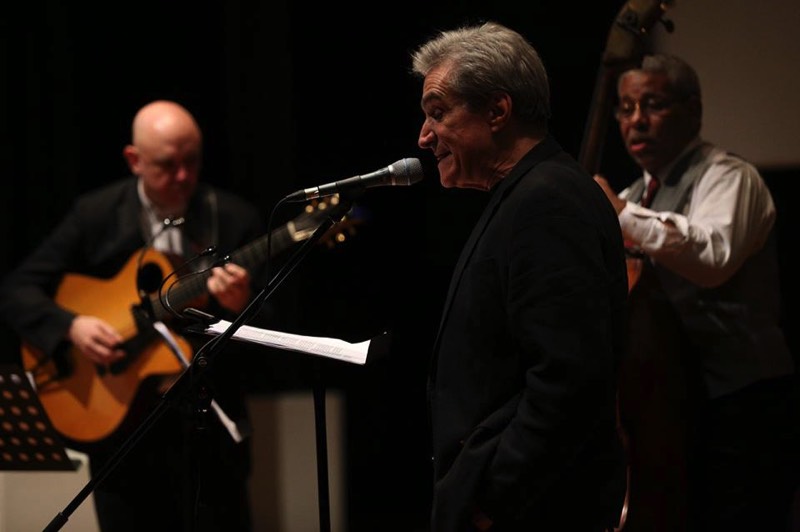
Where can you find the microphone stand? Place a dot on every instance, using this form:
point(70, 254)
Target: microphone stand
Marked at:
point(187, 381)
point(323, 493)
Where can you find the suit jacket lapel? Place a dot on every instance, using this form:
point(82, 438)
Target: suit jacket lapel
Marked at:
point(544, 150)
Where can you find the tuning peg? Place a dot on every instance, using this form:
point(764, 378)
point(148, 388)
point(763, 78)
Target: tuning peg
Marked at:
point(668, 24)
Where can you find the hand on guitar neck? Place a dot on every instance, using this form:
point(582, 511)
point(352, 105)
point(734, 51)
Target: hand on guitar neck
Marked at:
point(229, 284)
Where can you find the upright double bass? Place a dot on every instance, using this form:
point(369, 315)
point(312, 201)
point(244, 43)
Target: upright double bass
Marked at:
point(653, 388)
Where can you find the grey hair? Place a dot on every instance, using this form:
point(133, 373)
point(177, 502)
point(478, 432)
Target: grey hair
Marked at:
point(487, 58)
point(683, 80)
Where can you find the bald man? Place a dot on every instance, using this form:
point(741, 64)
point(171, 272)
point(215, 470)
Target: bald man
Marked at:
point(156, 485)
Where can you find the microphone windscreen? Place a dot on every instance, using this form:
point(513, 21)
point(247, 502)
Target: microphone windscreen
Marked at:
point(407, 171)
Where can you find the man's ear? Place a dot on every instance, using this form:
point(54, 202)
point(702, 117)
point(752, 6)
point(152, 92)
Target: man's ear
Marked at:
point(499, 109)
point(131, 155)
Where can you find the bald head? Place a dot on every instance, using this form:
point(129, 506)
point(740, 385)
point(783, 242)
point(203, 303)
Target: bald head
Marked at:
point(164, 120)
point(165, 153)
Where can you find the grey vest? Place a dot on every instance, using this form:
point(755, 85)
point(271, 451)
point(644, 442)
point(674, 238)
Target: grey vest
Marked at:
point(733, 329)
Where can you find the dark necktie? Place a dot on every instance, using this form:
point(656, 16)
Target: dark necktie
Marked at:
point(635, 256)
point(647, 197)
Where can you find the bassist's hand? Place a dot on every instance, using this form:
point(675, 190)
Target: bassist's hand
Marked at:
point(616, 202)
point(96, 339)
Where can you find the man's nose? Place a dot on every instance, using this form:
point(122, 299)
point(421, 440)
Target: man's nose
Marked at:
point(426, 136)
point(182, 173)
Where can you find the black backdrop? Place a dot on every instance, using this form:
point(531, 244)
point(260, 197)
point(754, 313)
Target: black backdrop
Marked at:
point(290, 96)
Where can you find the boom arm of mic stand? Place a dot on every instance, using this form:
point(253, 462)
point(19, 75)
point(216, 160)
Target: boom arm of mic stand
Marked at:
point(180, 386)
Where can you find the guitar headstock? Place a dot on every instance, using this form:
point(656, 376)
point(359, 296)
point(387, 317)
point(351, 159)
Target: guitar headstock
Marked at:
point(315, 212)
point(632, 24)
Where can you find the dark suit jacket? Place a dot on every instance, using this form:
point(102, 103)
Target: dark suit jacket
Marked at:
point(524, 374)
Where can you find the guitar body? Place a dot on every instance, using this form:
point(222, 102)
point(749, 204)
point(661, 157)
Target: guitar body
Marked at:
point(633, 264)
point(87, 403)
point(654, 409)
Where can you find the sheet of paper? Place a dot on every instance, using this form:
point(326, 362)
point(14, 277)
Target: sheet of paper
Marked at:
point(313, 345)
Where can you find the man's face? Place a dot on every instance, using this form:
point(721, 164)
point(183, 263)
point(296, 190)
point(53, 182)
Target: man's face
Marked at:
point(169, 169)
point(460, 138)
point(655, 126)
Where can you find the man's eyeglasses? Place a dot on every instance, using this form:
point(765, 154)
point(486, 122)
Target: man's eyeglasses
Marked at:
point(649, 106)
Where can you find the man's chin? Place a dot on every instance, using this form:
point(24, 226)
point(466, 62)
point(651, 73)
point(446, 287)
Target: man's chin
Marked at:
point(447, 180)
point(642, 159)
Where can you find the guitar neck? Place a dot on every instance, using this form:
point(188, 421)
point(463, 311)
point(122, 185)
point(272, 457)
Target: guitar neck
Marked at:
point(597, 124)
point(249, 257)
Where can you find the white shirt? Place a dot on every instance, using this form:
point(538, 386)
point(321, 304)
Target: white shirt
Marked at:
point(165, 238)
point(727, 218)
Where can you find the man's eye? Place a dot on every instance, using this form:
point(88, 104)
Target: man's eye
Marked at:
point(656, 104)
point(437, 114)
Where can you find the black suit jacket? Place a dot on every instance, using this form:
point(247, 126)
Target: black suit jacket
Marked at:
point(524, 375)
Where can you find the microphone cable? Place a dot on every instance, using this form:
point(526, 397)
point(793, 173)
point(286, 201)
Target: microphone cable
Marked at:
point(164, 295)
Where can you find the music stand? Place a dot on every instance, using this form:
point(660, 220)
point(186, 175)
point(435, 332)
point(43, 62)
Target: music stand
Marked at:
point(28, 441)
point(319, 348)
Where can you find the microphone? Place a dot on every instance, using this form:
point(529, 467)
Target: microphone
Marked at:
point(400, 173)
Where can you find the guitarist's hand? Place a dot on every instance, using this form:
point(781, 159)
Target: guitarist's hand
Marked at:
point(96, 339)
point(230, 286)
point(615, 200)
